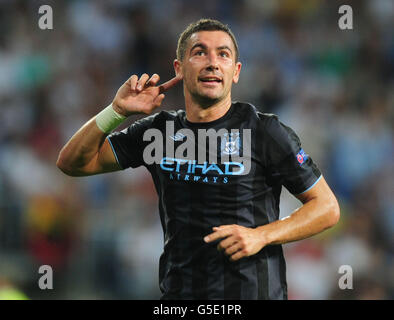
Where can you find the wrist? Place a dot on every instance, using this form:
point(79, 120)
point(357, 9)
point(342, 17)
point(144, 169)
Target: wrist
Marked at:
point(264, 235)
point(109, 119)
point(117, 109)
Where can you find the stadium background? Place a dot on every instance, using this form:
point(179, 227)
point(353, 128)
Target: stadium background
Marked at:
point(101, 234)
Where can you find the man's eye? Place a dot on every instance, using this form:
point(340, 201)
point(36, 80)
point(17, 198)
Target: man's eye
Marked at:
point(224, 54)
point(199, 53)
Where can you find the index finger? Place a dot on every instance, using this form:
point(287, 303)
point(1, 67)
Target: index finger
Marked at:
point(169, 84)
point(223, 233)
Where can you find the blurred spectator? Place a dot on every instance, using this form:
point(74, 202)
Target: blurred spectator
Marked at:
point(9, 292)
point(102, 234)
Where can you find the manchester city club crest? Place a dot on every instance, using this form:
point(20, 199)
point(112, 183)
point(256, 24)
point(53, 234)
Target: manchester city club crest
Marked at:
point(231, 143)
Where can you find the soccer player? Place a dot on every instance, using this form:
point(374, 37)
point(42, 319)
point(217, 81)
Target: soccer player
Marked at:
point(222, 233)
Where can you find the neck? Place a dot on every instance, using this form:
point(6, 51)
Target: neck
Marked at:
point(195, 112)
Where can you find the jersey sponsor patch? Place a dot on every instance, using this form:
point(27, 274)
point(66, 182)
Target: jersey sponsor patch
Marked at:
point(302, 156)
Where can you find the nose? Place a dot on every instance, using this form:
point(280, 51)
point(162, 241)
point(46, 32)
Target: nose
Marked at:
point(212, 62)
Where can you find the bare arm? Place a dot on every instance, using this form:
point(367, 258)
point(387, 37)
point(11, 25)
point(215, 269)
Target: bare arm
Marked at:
point(88, 152)
point(320, 211)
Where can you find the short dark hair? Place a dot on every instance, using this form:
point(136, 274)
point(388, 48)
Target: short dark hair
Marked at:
point(203, 25)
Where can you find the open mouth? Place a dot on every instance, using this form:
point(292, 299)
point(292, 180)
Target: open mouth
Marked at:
point(210, 79)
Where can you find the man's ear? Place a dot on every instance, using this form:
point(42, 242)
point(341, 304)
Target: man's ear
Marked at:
point(237, 71)
point(178, 68)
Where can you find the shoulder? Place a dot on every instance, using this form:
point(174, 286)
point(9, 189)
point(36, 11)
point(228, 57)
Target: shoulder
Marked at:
point(270, 128)
point(245, 110)
point(156, 119)
point(264, 121)
point(169, 114)
point(273, 126)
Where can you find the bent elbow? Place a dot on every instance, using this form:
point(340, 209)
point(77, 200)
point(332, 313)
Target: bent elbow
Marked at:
point(334, 213)
point(60, 162)
point(63, 167)
point(70, 169)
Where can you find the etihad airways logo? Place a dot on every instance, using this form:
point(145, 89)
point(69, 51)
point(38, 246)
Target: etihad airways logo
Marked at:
point(234, 146)
point(189, 170)
point(191, 167)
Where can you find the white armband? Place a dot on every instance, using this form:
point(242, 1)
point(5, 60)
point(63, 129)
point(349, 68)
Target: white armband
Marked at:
point(108, 119)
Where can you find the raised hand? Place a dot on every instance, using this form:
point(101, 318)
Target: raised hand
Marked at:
point(141, 95)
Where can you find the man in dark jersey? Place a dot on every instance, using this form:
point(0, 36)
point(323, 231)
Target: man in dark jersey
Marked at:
point(218, 197)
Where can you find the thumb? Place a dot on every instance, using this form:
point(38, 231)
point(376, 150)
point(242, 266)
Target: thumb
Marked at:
point(158, 100)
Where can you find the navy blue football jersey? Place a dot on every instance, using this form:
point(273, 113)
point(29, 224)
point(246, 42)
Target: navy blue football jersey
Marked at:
point(195, 196)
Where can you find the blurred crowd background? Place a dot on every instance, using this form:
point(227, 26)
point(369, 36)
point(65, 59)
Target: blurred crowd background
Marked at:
point(102, 234)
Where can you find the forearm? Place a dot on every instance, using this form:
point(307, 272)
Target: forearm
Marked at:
point(82, 148)
point(313, 217)
point(86, 152)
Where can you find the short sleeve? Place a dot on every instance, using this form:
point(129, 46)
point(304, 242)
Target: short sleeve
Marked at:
point(127, 145)
point(288, 162)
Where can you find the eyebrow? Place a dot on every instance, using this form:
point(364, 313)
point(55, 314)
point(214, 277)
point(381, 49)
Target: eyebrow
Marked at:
point(199, 44)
